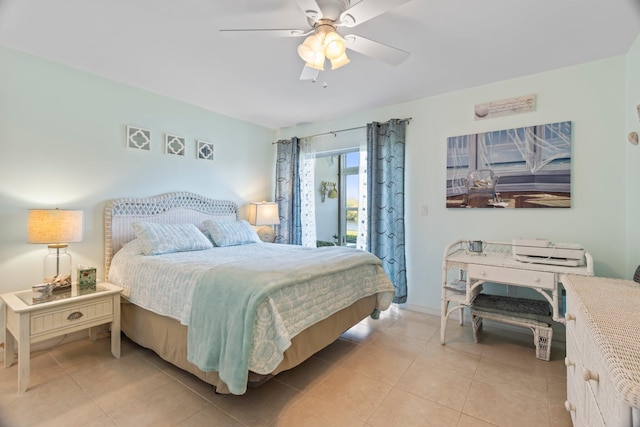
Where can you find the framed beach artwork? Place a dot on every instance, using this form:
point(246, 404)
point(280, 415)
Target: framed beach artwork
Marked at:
point(526, 167)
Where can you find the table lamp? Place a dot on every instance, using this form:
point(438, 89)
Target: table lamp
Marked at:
point(266, 215)
point(56, 228)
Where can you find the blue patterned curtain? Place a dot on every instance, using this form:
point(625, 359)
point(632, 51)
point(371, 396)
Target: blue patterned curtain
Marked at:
point(385, 200)
point(288, 192)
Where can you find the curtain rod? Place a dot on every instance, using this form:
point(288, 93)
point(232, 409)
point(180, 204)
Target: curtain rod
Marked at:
point(334, 132)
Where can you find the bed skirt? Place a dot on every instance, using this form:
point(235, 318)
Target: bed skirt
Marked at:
point(168, 338)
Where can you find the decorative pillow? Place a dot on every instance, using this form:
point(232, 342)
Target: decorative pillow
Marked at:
point(156, 239)
point(231, 233)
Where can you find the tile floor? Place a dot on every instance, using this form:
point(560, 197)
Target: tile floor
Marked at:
point(389, 372)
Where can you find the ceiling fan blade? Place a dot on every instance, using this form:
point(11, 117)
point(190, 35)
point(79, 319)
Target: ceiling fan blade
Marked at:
point(389, 54)
point(311, 9)
point(367, 9)
point(264, 32)
point(309, 73)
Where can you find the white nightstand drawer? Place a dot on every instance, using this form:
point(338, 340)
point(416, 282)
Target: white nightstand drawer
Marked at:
point(529, 278)
point(71, 315)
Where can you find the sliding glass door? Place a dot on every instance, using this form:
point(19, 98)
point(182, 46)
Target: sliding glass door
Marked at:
point(337, 181)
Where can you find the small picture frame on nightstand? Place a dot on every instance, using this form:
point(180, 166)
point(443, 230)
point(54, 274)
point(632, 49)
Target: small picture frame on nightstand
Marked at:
point(86, 277)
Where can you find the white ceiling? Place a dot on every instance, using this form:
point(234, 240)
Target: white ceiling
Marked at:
point(174, 48)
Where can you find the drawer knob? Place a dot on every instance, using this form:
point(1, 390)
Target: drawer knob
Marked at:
point(536, 279)
point(568, 317)
point(569, 406)
point(75, 315)
point(568, 362)
point(482, 273)
point(590, 375)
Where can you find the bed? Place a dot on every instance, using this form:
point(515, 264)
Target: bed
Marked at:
point(237, 311)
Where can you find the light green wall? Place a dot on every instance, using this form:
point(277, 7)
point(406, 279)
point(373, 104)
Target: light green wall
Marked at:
point(633, 158)
point(62, 144)
point(591, 95)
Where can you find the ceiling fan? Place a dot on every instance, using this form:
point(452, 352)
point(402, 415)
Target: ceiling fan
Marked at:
point(323, 42)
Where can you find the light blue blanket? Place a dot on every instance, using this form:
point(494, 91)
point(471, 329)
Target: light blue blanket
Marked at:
point(225, 302)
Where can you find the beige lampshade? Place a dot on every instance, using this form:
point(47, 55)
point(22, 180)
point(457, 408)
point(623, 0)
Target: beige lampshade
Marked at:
point(263, 213)
point(54, 226)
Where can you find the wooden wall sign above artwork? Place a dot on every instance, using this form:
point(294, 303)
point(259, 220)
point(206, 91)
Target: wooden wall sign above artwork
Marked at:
point(505, 107)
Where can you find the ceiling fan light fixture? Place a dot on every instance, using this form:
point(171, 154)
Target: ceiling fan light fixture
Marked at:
point(340, 61)
point(317, 62)
point(308, 49)
point(334, 45)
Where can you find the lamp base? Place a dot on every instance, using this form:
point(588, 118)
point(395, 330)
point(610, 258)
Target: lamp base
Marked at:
point(57, 265)
point(266, 234)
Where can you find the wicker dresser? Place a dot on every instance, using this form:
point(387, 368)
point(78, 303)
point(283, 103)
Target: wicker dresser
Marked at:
point(603, 351)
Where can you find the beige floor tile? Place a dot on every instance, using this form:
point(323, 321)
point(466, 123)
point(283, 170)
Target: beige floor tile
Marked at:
point(393, 342)
point(167, 405)
point(421, 317)
point(312, 412)
point(511, 347)
point(380, 324)
point(414, 329)
point(258, 406)
point(380, 362)
point(443, 387)
point(459, 338)
point(83, 353)
point(557, 412)
point(54, 403)
point(467, 421)
point(337, 351)
point(190, 381)
point(362, 333)
point(400, 408)
point(208, 417)
point(451, 359)
point(505, 409)
point(350, 393)
point(387, 372)
point(42, 369)
point(114, 384)
point(556, 371)
point(511, 378)
point(306, 375)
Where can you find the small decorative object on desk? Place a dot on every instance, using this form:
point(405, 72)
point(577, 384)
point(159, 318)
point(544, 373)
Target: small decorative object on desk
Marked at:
point(476, 246)
point(41, 292)
point(59, 283)
point(86, 277)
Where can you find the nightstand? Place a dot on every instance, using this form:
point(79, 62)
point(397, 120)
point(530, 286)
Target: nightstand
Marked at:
point(28, 322)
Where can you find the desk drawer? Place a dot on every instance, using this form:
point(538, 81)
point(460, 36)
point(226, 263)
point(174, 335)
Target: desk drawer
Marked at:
point(71, 315)
point(512, 276)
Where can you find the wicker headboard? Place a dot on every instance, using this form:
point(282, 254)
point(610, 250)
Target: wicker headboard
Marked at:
point(173, 208)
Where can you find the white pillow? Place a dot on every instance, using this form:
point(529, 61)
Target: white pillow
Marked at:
point(231, 233)
point(156, 239)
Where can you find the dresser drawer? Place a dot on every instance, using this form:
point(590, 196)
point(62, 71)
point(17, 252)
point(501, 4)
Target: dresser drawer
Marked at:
point(600, 385)
point(529, 278)
point(71, 315)
point(573, 362)
point(573, 405)
point(574, 318)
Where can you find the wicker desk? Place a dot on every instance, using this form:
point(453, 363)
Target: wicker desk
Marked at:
point(497, 265)
point(603, 351)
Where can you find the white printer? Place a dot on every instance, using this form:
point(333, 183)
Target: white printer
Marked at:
point(542, 251)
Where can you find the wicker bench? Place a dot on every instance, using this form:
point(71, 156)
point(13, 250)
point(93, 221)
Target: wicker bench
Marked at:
point(528, 313)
